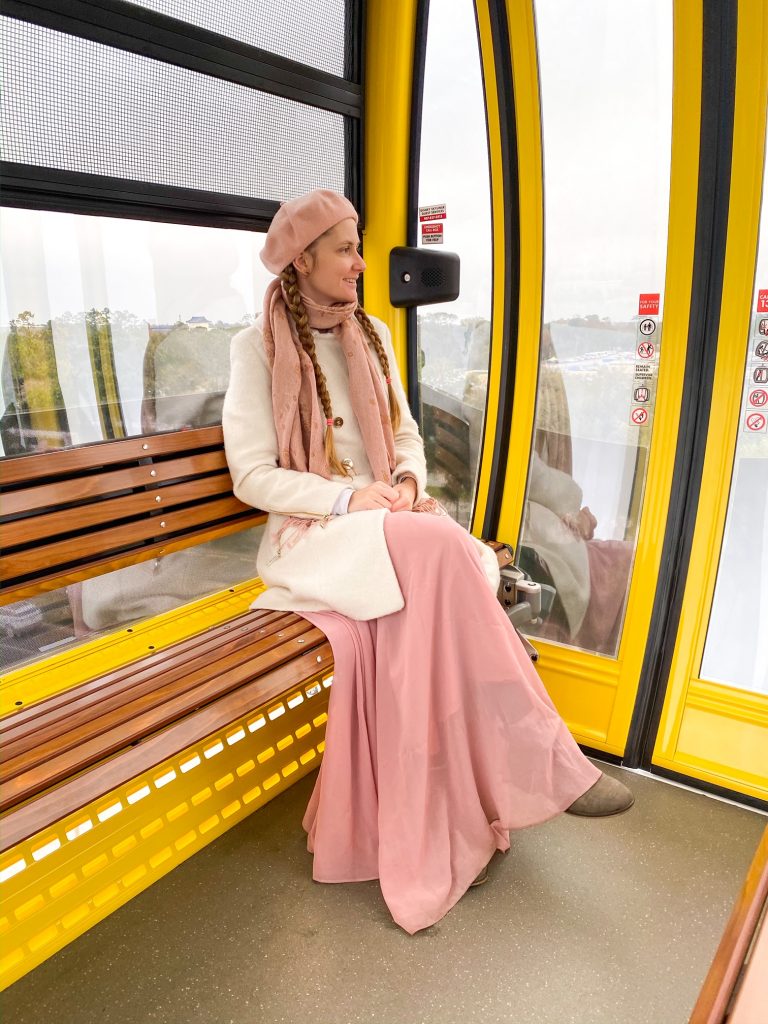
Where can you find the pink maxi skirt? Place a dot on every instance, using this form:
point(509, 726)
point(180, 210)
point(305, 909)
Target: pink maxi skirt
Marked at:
point(441, 737)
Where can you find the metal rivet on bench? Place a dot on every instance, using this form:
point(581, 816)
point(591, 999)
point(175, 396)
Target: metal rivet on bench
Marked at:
point(281, 634)
point(158, 498)
point(319, 658)
point(145, 446)
point(300, 641)
point(153, 472)
point(162, 523)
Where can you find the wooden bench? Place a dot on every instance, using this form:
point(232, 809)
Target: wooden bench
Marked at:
point(736, 987)
point(108, 783)
point(71, 514)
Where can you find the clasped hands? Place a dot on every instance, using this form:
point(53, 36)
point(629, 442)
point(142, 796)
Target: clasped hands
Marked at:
point(399, 498)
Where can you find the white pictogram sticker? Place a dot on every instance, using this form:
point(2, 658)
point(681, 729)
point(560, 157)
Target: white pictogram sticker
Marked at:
point(647, 327)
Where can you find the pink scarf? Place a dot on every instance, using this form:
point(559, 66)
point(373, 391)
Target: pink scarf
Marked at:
point(299, 419)
point(298, 416)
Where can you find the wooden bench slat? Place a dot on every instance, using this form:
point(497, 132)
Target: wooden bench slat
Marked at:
point(61, 767)
point(105, 453)
point(28, 722)
point(27, 719)
point(82, 721)
point(81, 517)
point(30, 819)
point(61, 576)
point(83, 488)
point(59, 553)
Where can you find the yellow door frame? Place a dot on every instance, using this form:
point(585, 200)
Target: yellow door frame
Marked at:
point(716, 733)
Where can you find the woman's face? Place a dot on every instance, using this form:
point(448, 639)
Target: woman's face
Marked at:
point(329, 268)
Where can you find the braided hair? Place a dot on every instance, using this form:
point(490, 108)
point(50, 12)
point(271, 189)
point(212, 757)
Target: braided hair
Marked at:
point(301, 322)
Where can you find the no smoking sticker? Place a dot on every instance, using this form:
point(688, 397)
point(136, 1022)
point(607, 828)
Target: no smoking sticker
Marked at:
point(638, 417)
point(754, 422)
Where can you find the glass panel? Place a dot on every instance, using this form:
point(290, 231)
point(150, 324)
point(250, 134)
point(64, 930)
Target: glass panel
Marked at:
point(112, 328)
point(736, 650)
point(454, 338)
point(606, 90)
point(77, 105)
point(37, 627)
point(291, 28)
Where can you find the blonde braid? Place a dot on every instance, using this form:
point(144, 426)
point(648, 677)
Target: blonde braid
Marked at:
point(370, 330)
point(301, 321)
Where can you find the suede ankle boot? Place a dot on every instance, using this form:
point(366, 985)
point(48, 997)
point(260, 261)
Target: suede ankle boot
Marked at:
point(607, 796)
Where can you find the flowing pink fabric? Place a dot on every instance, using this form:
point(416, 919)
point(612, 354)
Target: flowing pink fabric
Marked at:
point(441, 737)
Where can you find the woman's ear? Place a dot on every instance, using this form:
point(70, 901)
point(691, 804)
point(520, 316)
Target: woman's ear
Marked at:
point(303, 263)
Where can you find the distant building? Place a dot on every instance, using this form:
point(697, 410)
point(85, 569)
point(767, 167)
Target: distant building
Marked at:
point(199, 322)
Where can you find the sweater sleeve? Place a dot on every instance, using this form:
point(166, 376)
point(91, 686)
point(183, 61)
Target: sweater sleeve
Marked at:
point(250, 441)
point(409, 446)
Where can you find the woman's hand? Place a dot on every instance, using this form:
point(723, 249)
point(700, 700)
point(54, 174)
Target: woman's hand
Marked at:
point(407, 495)
point(375, 495)
point(582, 524)
point(379, 495)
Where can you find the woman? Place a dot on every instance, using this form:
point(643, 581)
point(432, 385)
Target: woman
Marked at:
point(441, 737)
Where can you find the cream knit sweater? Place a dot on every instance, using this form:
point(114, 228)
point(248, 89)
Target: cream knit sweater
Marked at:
point(341, 563)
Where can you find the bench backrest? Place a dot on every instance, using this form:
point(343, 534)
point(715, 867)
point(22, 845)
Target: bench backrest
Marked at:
point(70, 514)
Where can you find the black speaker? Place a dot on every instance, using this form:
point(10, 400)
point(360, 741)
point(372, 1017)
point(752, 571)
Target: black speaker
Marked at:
point(418, 277)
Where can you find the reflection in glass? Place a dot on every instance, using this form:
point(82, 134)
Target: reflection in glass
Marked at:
point(736, 649)
point(605, 73)
point(37, 627)
point(113, 328)
point(454, 339)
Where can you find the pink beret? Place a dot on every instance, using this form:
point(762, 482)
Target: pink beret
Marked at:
point(299, 222)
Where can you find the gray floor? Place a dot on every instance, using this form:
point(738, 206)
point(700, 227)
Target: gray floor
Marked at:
point(584, 921)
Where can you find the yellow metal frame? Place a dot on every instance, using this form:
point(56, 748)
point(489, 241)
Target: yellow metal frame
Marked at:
point(389, 55)
point(493, 119)
point(596, 695)
point(525, 74)
point(709, 731)
point(61, 882)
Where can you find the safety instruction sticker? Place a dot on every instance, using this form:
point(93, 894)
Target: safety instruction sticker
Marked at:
point(762, 300)
point(638, 416)
point(755, 422)
point(432, 234)
point(427, 213)
point(649, 304)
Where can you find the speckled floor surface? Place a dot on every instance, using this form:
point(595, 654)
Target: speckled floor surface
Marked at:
point(610, 921)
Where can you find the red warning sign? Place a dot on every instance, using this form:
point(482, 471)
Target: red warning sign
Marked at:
point(649, 304)
point(432, 212)
point(762, 300)
point(639, 417)
point(432, 234)
point(758, 398)
point(755, 422)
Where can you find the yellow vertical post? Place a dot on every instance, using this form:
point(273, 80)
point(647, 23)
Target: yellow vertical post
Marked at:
point(390, 31)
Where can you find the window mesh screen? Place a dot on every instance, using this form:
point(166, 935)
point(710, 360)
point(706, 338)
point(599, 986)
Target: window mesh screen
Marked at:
point(73, 104)
point(308, 31)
